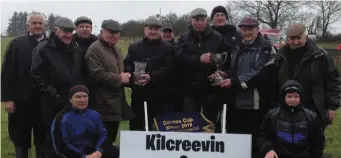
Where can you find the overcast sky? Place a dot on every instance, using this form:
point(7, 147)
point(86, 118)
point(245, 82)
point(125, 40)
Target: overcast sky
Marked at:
point(100, 10)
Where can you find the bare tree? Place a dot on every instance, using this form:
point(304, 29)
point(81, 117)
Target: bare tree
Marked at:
point(330, 12)
point(170, 18)
point(234, 16)
point(271, 13)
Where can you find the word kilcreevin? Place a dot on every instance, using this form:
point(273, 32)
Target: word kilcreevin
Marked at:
point(160, 142)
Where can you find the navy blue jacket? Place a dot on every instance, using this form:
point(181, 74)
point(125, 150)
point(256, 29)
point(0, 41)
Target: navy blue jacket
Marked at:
point(76, 133)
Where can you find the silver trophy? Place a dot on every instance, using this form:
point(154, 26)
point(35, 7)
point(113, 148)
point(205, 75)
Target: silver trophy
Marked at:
point(218, 60)
point(140, 69)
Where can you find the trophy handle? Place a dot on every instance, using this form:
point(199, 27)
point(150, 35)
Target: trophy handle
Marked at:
point(225, 54)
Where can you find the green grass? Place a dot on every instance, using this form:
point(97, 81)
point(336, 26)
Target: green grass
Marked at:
point(332, 45)
point(333, 132)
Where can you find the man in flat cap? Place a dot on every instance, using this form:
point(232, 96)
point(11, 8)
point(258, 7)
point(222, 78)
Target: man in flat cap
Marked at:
point(196, 47)
point(56, 66)
point(175, 98)
point(167, 34)
point(83, 35)
point(20, 99)
point(105, 65)
point(251, 81)
point(302, 60)
point(149, 62)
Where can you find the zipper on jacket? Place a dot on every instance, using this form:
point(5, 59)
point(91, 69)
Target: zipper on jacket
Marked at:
point(298, 67)
point(199, 40)
point(292, 126)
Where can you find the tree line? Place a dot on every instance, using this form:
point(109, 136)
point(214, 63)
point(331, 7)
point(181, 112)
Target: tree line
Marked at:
point(318, 16)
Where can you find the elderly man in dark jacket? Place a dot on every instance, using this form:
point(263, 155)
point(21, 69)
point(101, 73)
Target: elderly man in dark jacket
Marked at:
point(231, 38)
point(149, 61)
point(83, 35)
point(252, 79)
point(105, 65)
point(196, 48)
point(302, 60)
point(17, 91)
point(56, 66)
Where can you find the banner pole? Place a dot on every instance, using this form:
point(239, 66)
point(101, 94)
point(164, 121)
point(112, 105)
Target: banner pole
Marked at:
point(223, 121)
point(146, 116)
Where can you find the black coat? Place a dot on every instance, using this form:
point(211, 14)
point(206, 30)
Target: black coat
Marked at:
point(84, 44)
point(158, 56)
point(16, 84)
point(319, 76)
point(55, 69)
point(191, 46)
point(292, 132)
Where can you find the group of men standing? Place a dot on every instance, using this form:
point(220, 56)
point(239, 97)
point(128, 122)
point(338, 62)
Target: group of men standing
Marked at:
point(38, 73)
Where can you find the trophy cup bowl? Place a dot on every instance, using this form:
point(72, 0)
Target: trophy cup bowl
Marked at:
point(139, 70)
point(218, 60)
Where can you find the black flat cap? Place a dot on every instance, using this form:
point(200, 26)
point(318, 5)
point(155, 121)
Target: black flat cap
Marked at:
point(83, 19)
point(167, 27)
point(152, 21)
point(248, 22)
point(111, 25)
point(198, 12)
point(65, 23)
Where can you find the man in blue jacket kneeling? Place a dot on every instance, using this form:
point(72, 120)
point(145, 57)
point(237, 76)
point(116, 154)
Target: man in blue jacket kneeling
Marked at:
point(78, 132)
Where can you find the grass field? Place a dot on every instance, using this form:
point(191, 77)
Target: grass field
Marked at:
point(333, 133)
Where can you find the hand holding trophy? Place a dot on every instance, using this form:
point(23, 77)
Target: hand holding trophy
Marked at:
point(139, 71)
point(218, 60)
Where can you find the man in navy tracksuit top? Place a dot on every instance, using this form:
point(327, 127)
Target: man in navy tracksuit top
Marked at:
point(78, 132)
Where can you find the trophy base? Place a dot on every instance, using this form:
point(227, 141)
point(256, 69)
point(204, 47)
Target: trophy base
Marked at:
point(216, 80)
point(137, 77)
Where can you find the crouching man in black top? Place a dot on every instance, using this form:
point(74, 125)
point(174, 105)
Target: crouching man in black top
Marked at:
point(290, 130)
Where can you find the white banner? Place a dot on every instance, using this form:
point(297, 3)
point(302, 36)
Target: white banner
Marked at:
point(141, 144)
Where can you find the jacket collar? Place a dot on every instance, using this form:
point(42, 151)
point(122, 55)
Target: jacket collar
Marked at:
point(54, 41)
point(37, 39)
point(151, 42)
point(78, 111)
point(311, 50)
point(225, 29)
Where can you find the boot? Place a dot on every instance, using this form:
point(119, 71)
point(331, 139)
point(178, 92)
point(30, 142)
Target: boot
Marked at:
point(21, 152)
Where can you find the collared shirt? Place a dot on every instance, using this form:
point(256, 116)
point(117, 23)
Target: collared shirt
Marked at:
point(40, 38)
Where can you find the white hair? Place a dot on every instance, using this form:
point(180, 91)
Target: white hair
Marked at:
point(305, 33)
point(30, 15)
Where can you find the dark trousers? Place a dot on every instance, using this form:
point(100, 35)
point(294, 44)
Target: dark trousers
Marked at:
point(48, 149)
point(21, 124)
point(155, 108)
point(213, 109)
point(246, 122)
point(194, 103)
point(175, 100)
point(109, 150)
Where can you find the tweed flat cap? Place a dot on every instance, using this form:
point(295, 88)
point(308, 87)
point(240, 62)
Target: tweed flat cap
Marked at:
point(295, 30)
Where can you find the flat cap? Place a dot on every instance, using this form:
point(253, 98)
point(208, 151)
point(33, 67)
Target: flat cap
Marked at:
point(83, 19)
point(167, 27)
point(111, 25)
point(295, 30)
point(198, 12)
point(248, 22)
point(152, 21)
point(64, 23)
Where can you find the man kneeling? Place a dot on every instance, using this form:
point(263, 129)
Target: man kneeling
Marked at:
point(78, 132)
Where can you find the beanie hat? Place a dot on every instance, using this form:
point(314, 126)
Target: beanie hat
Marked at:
point(78, 88)
point(219, 9)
